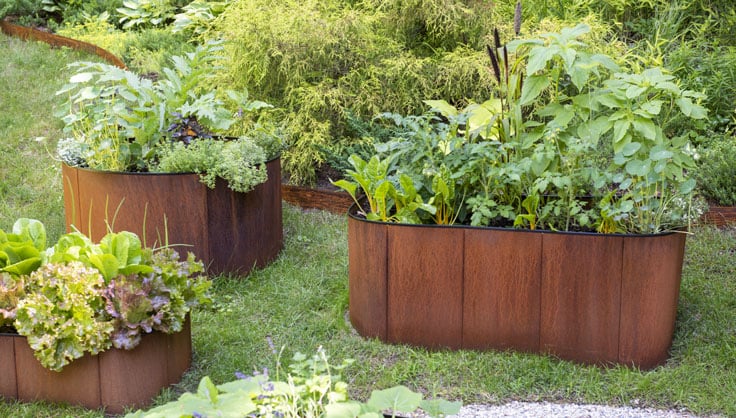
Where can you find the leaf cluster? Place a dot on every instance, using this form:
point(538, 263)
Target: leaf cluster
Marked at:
point(123, 122)
point(310, 389)
point(80, 297)
point(568, 141)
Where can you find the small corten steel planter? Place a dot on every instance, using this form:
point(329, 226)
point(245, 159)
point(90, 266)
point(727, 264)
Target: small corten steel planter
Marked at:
point(114, 379)
point(229, 231)
point(585, 297)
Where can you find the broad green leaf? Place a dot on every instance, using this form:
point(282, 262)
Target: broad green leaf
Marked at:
point(630, 149)
point(440, 407)
point(397, 399)
point(659, 153)
point(342, 410)
point(444, 108)
point(107, 265)
point(207, 390)
point(348, 186)
point(533, 86)
point(81, 77)
point(638, 168)
point(33, 230)
point(687, 186)
point(539, 56)
point(24, 267)
point(645, 127)
point(620, 131)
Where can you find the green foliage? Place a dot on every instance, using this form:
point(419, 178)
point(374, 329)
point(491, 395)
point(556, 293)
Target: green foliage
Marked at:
point(157, 301)
point(125, 123)
point(240, 162)
point(142, 13)
point(716, 172)
point(61, 314)
point(20, 7)
point(323, 61)
point(196, 18)
point(22, 251)
point(310, 389)
point(565, 130)
point(79, 296)
point(12, 290)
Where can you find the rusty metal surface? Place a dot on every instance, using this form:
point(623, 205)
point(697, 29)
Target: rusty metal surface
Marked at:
point(78, 383)
point(229, 231)
point(114, 379)
point(367, 265)
point(309, 198)
point(502, 290)
point(26, 33)
point(652, 270)
point(133, 377)
point(179, 352)
point(425, 286)
point(8, 384)
point(581, 297)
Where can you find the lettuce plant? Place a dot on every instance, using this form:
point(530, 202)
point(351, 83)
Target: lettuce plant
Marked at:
point(63, 317)
point(80, 297)
point(157, 301)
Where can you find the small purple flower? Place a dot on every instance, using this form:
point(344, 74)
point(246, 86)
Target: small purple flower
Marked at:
point(241, 376)
point(270, 344)
point(197, 415)
point(278, 414)
point(268, 387)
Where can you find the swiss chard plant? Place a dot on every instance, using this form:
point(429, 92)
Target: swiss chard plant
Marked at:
point(80, 297)
point(571, 140)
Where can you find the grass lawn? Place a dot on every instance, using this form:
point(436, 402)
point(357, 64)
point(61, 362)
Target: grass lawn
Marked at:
point(300, 301)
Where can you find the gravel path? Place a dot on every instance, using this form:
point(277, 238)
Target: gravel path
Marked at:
point(535, 410)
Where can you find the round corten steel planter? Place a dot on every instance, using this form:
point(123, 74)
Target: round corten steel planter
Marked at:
point(229, 231)
point(584, 297)
point(114, 379)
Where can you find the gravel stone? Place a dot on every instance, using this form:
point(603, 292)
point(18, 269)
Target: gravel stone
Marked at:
point(547, 409)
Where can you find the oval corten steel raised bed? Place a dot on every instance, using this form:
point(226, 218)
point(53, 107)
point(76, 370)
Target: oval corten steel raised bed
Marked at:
point(229, 231)
point(114, 379)
point(589, 298)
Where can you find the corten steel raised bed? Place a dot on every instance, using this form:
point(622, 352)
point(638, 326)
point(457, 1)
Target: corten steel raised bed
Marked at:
point(114, 379)
point(585, 297)
point(720, 216)
point(229, 231)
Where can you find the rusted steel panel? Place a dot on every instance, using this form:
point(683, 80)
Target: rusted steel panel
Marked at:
point(245, 229)
point(581, 297)
point(78, 383)
point(652, 268)
point(425, 286)
point(367, 267)
point(8, 383)
point(502, 285)
point(309, 198)
point(133, 377)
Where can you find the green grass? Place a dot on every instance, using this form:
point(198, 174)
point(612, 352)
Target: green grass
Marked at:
point(300, 301)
